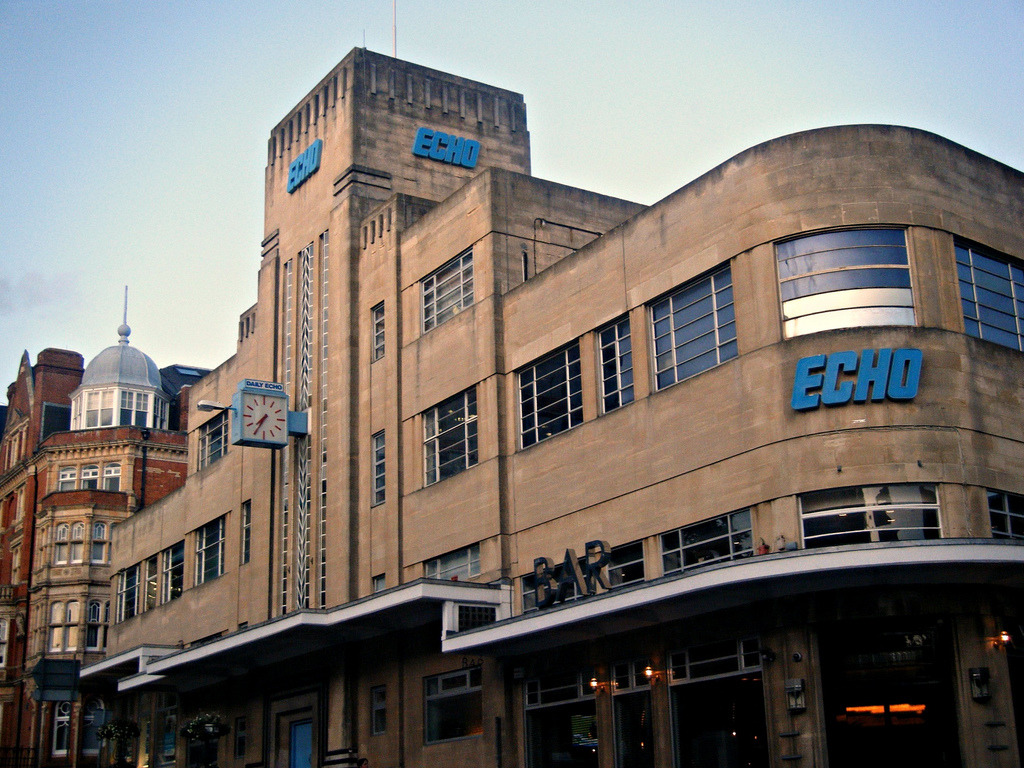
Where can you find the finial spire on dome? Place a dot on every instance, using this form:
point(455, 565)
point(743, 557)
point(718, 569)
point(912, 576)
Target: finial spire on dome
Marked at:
point(123, 330)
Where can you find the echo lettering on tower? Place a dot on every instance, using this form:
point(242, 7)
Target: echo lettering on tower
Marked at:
point(446, 148)
point(840, 377)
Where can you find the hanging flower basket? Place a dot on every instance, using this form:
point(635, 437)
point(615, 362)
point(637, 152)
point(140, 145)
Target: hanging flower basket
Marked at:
point(204, 727)
point(120, 732)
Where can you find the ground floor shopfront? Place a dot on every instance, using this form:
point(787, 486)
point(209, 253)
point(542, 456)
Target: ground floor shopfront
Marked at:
point(882, 669)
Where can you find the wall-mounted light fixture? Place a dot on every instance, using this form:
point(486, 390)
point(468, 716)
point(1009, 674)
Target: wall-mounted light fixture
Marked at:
point(979, 677)
point(596, 686)
point(796, 698)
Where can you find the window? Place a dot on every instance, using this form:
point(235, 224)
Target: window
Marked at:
point(379, 582)
point(61, 728)
point(1006, 513)
point(213, 439)
point(95, 629)
point(448, 290)
point(3, 642)
point(551, 395)
point(246, 542)
point(151, 583)
point(172, 562)
point(100, 546)
point(77, 542)
point(694, 329)
point(112, 477)
point(240, 733)
point(378, 710)
point(616, 351)
point(90, 477)
point(378, 468)
point(64, 626)
point(992, 296)
point(127, 593)
point(873, 513)
point(60, 545)
point(715, 659)
point(66, 478)
point(377, 316)
point(452, 705)
point(92, 720)
point(99, 408)
point(134, 408)
point(847, 279)
point(449, 437)
point(210, 551)
point(461, 564)
point(726, 537)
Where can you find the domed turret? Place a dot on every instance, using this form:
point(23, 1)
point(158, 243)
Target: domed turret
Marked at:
point(121, 386)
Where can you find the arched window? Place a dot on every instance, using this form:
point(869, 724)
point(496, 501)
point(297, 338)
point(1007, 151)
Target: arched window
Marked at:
point(66, 478)
point(77, 542)
point(60, 546)
point(61, 727)
point(95, 631)
point(90, 477)
point(92, 720)
point(112, 477)
point(100, 545)
point(71, 626)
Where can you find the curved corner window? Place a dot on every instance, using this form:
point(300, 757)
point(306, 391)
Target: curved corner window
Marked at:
point(874, 513)
point(847, 279)
point(992, 296)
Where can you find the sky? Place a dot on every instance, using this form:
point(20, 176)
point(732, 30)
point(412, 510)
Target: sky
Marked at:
point(133, 133)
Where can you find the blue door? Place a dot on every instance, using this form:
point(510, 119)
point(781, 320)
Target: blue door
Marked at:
point(300, 749)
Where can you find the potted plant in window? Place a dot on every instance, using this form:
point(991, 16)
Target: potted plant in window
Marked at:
point(202, 732)
point(120, 732)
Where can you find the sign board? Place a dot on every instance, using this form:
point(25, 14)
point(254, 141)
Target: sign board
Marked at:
point(56, 680)
point(304, 166)
point(584, 576)
point(446, 148)
point(841, 377)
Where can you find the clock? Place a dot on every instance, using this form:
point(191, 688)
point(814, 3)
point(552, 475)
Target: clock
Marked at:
point(261, 415)
point(264, 417)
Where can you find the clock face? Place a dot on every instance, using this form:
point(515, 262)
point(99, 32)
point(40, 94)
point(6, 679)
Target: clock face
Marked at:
point(264, 417)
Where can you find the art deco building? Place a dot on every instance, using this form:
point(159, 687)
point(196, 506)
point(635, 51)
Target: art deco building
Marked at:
point(731, 480)
point(61, 494)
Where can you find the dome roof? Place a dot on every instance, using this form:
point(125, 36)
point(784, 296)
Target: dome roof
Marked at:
point(122, 364)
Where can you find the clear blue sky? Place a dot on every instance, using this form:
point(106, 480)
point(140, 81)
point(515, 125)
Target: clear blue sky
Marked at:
point(134, 133)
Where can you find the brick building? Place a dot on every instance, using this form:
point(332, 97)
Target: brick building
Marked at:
point(732, 479)
point(82, 449)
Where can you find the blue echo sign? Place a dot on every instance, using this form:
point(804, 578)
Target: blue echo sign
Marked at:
point(446, 148)
point(874, 375)
point(304, 166)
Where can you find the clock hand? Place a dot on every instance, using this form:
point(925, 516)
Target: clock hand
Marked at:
point(262, 419)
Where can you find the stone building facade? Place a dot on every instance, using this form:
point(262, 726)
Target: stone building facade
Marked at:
point(733, 479)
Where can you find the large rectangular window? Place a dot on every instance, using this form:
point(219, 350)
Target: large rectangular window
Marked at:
point(846, 279)
point(210, 551)
point(172, 564)
point(213, 439)
point(899, 512)
point(616, 350)
point(551, 395)
point(448, 290)
point(461, 564)
point(694, 328)
point(452, 705)
point(449, 437)
point(725, 537)
point(992, 296)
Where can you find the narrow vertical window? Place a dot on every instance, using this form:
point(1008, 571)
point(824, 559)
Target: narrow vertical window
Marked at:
point(77, 542)
point(551, 395)
point(377, 316)
point(616, 365)
point(246, 531)
point(378, 468)
point(378, 710)
point(172, 580)
point(100, 550)
point(210, 551)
